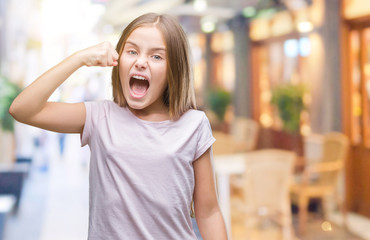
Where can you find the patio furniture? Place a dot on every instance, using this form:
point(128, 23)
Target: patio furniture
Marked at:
point(267, 180)
point(245, 130)
point(12, 177)
point(320, 178)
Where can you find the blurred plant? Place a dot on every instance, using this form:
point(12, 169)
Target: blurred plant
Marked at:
point(8, 91)
point(288, 99)
point(218, 100)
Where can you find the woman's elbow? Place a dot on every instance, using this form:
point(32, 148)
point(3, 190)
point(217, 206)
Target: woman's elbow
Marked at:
point(15, 112)
point(12, 111)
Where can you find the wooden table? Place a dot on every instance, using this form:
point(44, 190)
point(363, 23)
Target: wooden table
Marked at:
point(235, 164)
point(226, 165)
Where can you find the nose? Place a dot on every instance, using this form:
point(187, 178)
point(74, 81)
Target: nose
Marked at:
point(141, 62)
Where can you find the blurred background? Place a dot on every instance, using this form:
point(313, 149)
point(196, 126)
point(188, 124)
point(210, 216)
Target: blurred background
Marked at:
point(285, 75)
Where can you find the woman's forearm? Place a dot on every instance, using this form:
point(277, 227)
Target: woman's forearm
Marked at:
point(212, 227)
point(34, 97)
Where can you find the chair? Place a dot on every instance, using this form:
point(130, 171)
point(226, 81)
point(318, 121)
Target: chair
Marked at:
point(243, 137)
point(320, 178)
point(266, 192)
point(225, 144)
point(312, 148)
point(245, 130)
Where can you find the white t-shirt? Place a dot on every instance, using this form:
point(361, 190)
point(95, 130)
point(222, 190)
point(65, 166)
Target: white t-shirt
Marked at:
point(141, 172)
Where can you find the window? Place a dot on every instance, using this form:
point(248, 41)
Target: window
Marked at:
point(278, 62)
point(360, 85)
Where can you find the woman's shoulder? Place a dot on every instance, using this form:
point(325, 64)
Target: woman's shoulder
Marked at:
point(102, 108)
point(195, 116)
point(194, 113)
point(103, 104)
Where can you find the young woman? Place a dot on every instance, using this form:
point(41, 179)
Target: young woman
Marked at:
point(150, 149)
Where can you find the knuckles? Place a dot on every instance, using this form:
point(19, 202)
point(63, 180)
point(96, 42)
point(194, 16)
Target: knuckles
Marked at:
point(101, 55)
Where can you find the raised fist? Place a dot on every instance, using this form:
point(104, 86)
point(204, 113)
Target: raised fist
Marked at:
point(102, 54)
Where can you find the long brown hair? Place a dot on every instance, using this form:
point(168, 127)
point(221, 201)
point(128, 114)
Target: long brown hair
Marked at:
point(179, 95)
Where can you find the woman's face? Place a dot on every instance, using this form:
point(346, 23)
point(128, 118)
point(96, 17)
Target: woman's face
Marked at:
point(142, 69)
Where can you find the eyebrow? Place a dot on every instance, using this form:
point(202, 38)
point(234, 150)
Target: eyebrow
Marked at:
point(152, 49)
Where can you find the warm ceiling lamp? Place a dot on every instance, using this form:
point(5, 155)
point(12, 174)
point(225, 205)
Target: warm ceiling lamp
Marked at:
point(208, 24)
point(200, 5)
point(305, 26)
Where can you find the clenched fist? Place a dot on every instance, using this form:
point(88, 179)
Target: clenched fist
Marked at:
point(102, 54)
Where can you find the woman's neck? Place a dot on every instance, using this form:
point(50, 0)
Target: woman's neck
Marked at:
point(157, 114)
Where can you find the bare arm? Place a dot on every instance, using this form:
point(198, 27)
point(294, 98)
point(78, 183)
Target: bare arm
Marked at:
point(31, 106)
point(207, 211)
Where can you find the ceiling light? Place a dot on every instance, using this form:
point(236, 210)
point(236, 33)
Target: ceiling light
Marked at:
point(200, 5)
point(208, 27)
point(305, 26)
point(208, 24)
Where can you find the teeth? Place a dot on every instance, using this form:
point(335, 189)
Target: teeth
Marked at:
point(139, 77)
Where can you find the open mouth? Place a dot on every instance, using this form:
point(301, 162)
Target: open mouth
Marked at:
point(139, 85)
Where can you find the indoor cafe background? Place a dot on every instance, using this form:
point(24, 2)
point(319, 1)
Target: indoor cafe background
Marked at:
point(242, 51)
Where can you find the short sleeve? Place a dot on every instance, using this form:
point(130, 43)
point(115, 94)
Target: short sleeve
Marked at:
point(86, 133)
point(205, 138)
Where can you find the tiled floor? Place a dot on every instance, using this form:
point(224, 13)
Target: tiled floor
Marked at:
point(317, 229)
point(29, 219)
point(54, 206)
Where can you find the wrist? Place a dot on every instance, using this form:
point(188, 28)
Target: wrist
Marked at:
point(79, 59)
